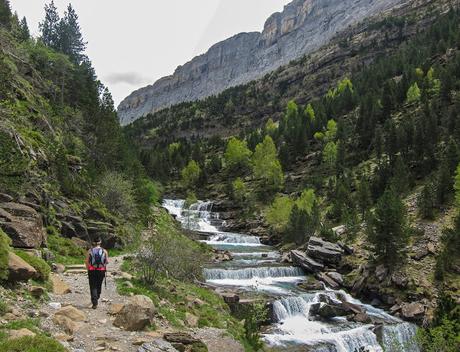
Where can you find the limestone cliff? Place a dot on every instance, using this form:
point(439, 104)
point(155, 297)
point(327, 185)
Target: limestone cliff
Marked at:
point(302, 27)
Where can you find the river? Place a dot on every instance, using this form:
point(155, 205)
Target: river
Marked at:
point(256, 269)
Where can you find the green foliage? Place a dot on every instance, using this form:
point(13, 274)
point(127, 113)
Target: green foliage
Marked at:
point(191, 199)
point(442, 338)
point(3, 308)
point(387, 228)
point(42, 267)
point(271, 128)
point(37, 343)
point(414, 93)
point(330, 154)
point(237, 155)
point(266, 166)
point(302, 224)
point(5, 13)
point(307, 200)
point(116, 192)
point(13, 164)
point(5, 242)
point(168, 253)
point(65, 250)
point(310, 112)
point(254, 317)
point(239, 190)
point(279, 212)
point(331, 132)
point(191, 174)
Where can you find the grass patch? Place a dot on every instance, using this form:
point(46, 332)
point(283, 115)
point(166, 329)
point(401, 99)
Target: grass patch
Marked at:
point(65, 251)
point(39, 343)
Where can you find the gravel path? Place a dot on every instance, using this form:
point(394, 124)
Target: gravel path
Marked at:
point(97, 333)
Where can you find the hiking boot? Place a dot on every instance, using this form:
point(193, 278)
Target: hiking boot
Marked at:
point(94, 306)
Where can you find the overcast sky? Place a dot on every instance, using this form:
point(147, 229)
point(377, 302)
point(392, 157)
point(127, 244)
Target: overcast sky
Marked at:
point(133, 43)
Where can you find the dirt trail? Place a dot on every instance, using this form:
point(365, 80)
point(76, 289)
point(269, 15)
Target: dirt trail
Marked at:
point(97, 332)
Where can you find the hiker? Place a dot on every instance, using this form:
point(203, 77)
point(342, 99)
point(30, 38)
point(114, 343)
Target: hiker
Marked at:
point(96, 263)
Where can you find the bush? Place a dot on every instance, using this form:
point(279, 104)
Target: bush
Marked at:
point(191, 174)
point(42, 267)
point(117, 194)
point(239, 190)
point(5, 242)
point(3, 308)
point(31, 344)
point(237, 155)
point(168, 253)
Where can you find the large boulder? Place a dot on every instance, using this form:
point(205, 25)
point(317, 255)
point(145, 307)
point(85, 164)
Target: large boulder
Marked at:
point(72, 313)
point(22, 224)
point(135, 315)
point(305, 262)
point(413, 311)
point(157, 345)
point(19, 270)
point(323, 251)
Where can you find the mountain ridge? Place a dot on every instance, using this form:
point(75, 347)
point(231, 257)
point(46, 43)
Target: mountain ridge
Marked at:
point(302, 27)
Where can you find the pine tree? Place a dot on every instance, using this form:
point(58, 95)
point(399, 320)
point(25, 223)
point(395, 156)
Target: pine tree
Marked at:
point(363, 195)
point(426, 201)
point(387, 228)
point(50, 27)
point(71, 39)
point(401, 176)
point(444, 183)
point(5, 13)
point(25, 33)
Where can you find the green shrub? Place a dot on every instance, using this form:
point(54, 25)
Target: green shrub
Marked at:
point(31, 344)
point(64, 248)
point(4, 249)
point(117, 194)
point(42, 267)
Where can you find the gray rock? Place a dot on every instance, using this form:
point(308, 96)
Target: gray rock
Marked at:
point(157, 346)
point(22, 224)
point(323, 251)
point(303, 26)
point(305, 262)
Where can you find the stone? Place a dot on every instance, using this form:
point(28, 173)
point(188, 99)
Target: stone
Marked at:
point(302, 27)
point(18, 269)
point(69, 326)
point(80, 243)
point(115, 308)
point(72, 313)
point(328, 281)
point(58, 268)
point(24, 225)
point(312, 284)
point(55, 305)
point(17, 334)
point(412, 311)
point(381, 272)
point(286, 258)
point(37, 291)
point(399, 279)
point(335, 276)
point(63, 337)
point(135, 315)
point(230, 297)
point(126, 276)
point(60, 287)
point(191, 320)
point(299, 258)
point(5, 198)
point(158, 345)
point(323, 251)
point(180, 337)
point(339, 231)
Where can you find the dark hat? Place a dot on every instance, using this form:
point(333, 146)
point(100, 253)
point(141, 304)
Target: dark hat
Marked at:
point(97, 240)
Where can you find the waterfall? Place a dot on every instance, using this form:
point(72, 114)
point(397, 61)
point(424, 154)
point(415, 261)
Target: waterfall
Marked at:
point(250, 273)
point(292, 306)
point(359, 339)
point(233, 239)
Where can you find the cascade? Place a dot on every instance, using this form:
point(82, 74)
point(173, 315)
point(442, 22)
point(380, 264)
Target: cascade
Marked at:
point(294, 325)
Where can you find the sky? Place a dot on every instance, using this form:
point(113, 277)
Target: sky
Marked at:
point(133, 43)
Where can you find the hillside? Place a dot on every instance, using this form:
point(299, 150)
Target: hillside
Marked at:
point(302, 27)
point(355, 143)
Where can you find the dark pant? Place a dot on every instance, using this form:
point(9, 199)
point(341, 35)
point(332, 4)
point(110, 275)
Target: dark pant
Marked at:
point(95, 284)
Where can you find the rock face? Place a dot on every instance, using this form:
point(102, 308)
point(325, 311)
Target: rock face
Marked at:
point(22, 224)
point(136, 314)
point(303, 26)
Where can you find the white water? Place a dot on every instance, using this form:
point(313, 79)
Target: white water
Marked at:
point(294, 325)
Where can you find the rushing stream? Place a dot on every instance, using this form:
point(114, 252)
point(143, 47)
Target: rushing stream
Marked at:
point(256, 268)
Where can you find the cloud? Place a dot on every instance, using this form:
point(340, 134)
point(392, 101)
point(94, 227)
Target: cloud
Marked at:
point(131, 78)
